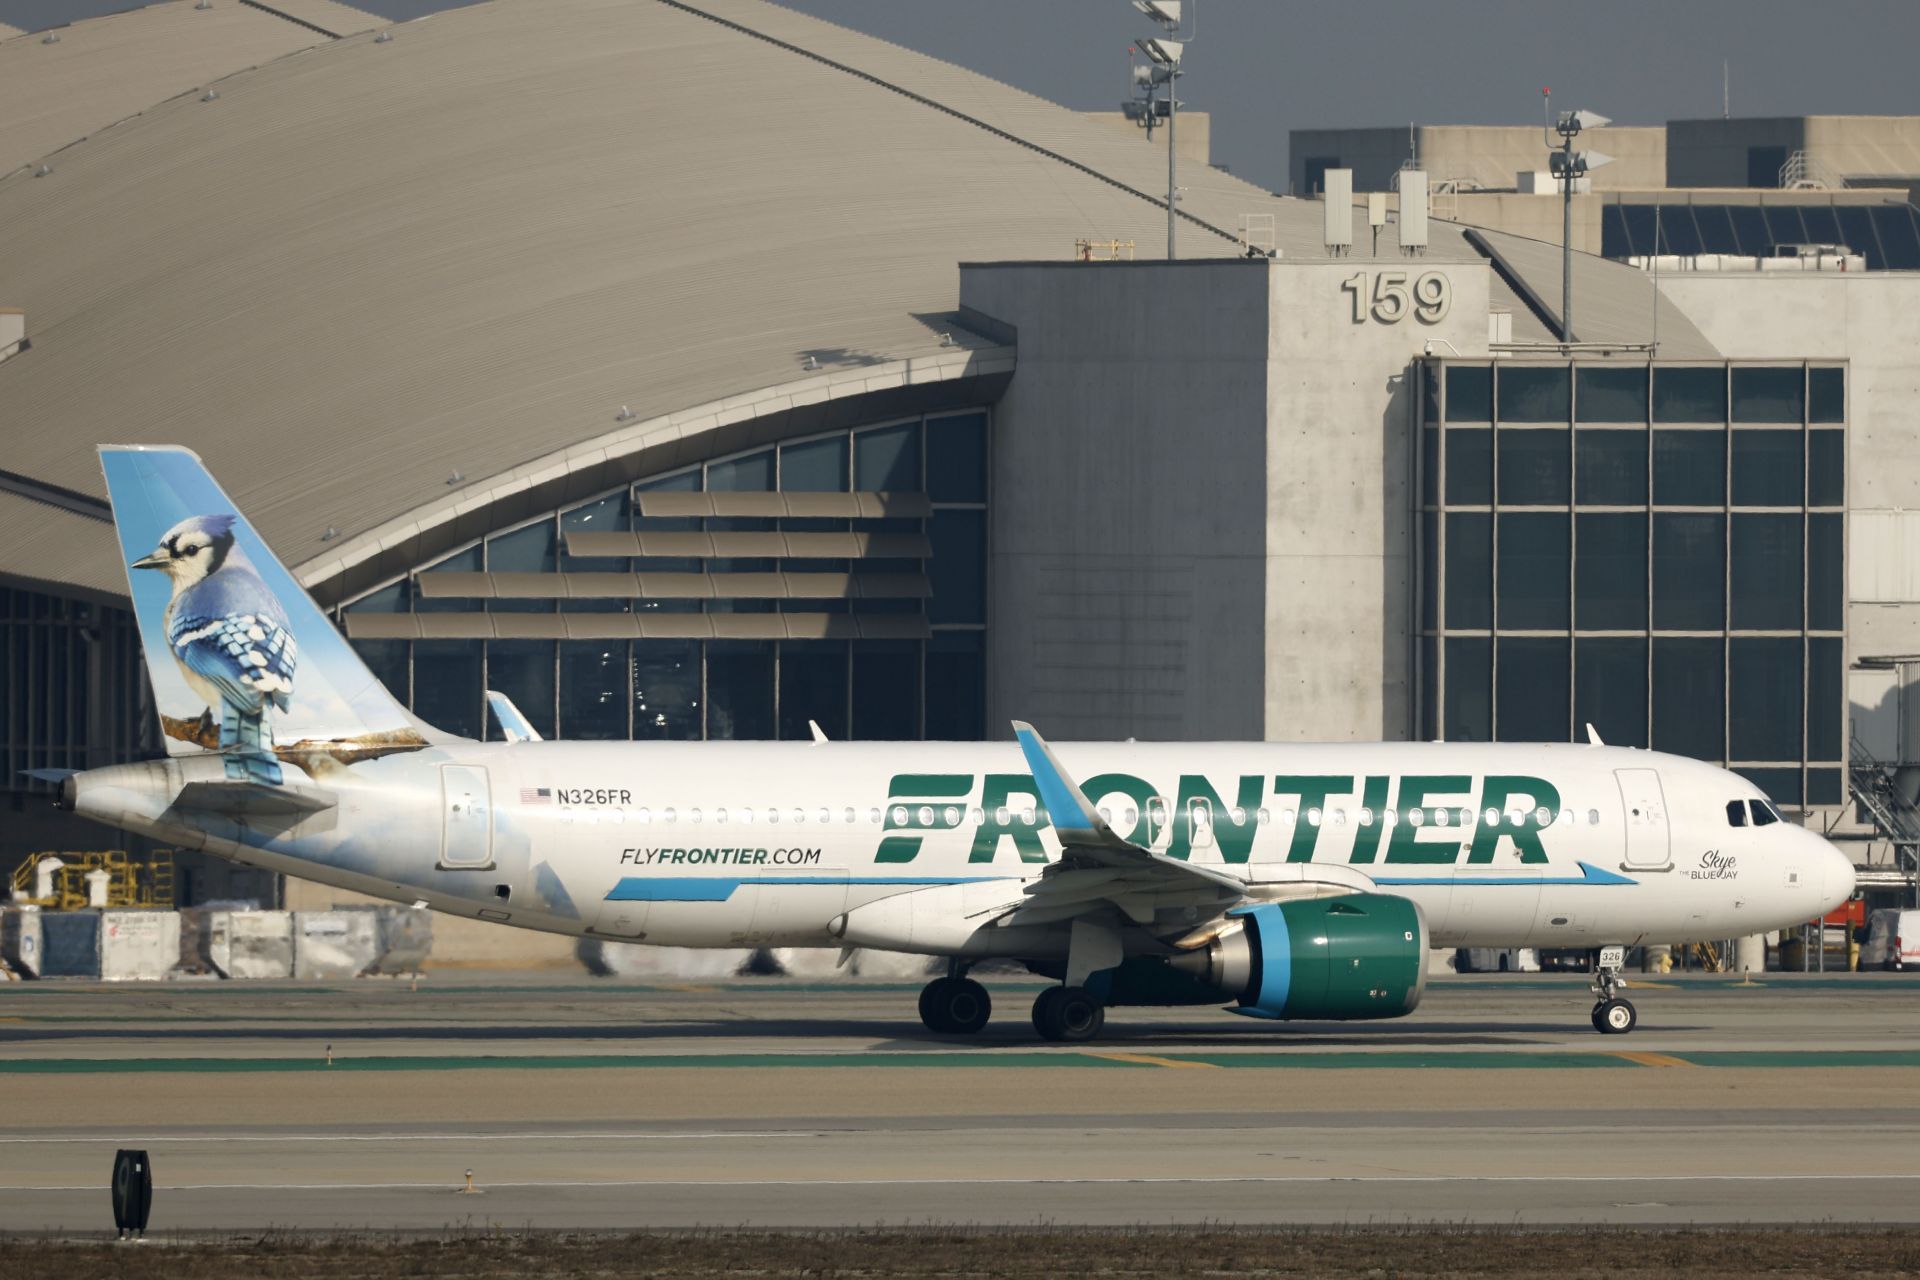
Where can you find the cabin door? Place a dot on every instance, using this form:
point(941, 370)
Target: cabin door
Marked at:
point(1649, 844)
point(466, 817)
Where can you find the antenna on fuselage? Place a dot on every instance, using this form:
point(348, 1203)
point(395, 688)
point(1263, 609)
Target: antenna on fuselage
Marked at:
point(819, 735)
point(1593, 735)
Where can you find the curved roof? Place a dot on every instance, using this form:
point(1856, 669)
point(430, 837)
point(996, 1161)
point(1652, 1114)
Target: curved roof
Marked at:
point(371, 265)
point(105, 69)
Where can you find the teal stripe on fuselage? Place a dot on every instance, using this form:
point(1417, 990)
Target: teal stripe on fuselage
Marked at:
point(1588, 875)
point(721, 888)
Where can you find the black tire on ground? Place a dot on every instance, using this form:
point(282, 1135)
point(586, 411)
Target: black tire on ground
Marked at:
point(1073, 1015)
point(1616, 1017)
point(963, 1006)
point(933, 1005)
point(1043, 1013)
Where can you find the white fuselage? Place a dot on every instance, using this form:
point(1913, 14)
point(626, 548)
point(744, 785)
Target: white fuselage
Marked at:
point(745, 844)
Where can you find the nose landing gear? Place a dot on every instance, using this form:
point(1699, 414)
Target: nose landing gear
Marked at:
point(1612, 1015)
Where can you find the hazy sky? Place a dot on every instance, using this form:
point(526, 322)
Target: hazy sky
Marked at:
point(1262, 67)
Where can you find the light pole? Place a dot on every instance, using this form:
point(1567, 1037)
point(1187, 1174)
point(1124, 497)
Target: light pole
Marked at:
point(1567, 165)
point(1164, 51)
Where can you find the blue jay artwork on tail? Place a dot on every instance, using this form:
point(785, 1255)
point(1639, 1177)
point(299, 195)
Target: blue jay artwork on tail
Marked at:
point(230, 636)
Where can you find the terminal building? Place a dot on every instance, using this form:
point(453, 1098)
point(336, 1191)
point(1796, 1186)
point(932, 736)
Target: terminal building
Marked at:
point(703, 370)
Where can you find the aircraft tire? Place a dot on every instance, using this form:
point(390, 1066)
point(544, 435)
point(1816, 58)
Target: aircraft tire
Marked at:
point(964, 1006)
point(1043, 1013)
point(1615, 1017)
point(1068, 1014)
point(933, 1005)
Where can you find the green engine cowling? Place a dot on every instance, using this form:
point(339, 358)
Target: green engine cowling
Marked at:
point(1356, 956)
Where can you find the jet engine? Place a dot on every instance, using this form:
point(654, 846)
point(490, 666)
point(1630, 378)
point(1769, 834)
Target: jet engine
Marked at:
point(1359, 955)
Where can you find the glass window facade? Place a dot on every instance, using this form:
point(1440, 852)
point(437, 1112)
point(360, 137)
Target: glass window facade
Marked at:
point(1887, 235)
point(1655, 549)
point(75, 692)
point(921, 673)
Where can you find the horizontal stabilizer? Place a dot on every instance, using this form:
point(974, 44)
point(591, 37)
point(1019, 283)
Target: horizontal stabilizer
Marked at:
point(242, 798)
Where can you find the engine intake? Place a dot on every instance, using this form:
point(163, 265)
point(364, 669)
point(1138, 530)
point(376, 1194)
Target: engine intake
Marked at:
point(1356, 956)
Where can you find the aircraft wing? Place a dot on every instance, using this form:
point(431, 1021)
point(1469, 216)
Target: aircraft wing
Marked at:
point(1099, 869)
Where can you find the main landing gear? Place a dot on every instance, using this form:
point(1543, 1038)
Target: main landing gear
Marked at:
point(955, 1005)
point(1612, 1015)
point(1072, 1014)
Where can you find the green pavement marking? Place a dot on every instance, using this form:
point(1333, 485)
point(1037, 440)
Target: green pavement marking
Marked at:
point(1477, 1060)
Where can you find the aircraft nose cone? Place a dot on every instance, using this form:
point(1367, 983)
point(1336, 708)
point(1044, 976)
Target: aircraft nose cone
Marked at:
point(1837, 877)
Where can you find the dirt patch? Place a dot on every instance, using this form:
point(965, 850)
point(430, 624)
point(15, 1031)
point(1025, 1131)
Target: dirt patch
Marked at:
point(1372, 1253)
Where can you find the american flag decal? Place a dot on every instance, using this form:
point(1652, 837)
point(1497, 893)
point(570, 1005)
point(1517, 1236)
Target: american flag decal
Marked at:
point(536, 795)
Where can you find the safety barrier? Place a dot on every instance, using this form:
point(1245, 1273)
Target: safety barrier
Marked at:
point(138, 945)
point(244, 944)
point(21, 941)
point(335, 944)
point(405, 940)
point(351, 942)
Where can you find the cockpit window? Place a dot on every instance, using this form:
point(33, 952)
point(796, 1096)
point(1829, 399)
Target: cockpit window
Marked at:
point(1764, 814)
point(1736, 813)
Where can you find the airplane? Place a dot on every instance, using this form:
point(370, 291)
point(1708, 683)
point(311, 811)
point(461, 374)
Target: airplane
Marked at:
point(1283, 881)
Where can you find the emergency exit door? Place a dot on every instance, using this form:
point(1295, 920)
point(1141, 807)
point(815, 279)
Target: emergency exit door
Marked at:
point(466, 817)
point(1644, 805)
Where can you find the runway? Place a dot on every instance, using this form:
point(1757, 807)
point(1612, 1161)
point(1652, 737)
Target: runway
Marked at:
point(591, 1104)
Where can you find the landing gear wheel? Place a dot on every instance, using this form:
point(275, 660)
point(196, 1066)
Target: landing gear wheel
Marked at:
point(933, 1004)
point(1043, 1012)
point(964, 1006)
point(955, 1006)
point(1069, 1014)
point(1614, 1017)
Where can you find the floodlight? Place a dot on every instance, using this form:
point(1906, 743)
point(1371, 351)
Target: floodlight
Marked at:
point(1142, 74)
point(1567, 165)
point(1165, 12)
point(1163, 51)
point(1572, 122)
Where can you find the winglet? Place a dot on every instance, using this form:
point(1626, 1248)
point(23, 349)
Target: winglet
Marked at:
point(1593, 735)
point(819, 734)
point(1073, 817)
point(513, 726)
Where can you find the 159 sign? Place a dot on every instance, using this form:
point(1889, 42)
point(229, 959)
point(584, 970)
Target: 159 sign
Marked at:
point(1391, 298)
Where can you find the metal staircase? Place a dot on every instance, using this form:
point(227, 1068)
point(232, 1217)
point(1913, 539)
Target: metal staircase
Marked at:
point(1890, 799)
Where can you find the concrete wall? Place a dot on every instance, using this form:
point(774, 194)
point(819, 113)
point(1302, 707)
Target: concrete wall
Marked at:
point(1125, 572)
point(1200, 473)
point(1872, 320)
point(1713, 153)
point(1339, 534)
point(1488, 155)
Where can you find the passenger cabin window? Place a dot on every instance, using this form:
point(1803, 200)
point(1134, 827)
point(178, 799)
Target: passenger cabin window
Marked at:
point(1736, 813)
point(1764, 814)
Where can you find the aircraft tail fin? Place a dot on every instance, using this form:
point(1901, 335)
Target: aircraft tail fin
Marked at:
point(241, 659)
